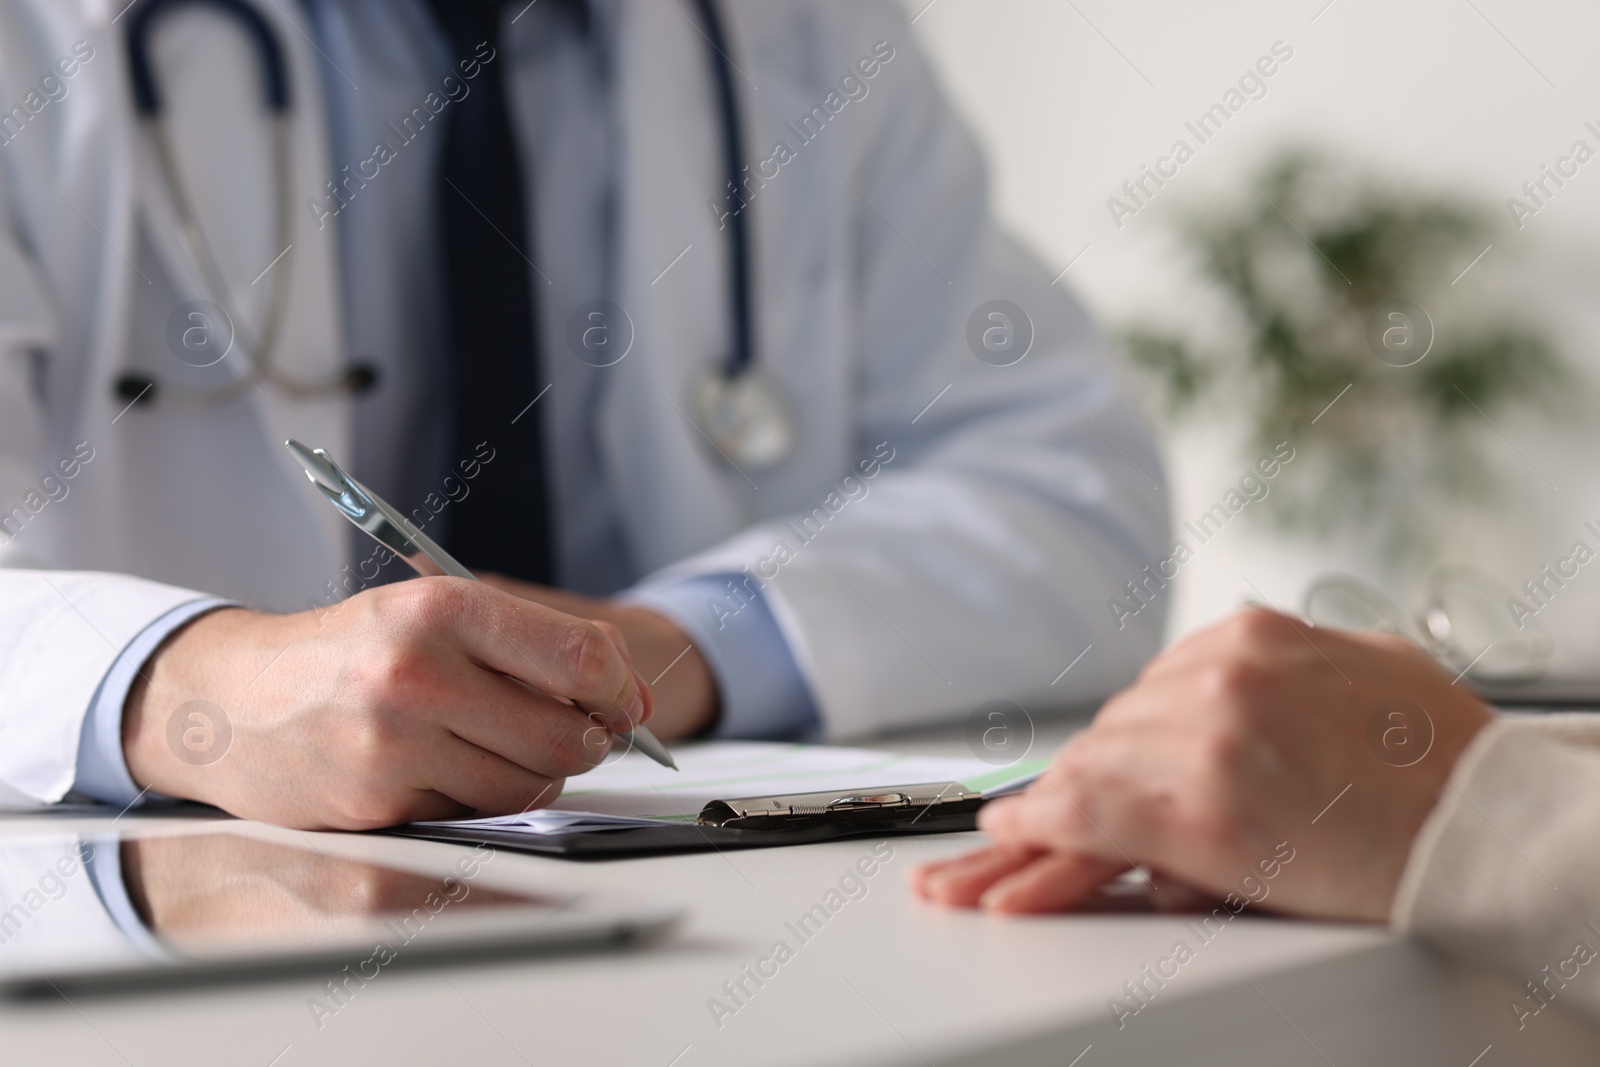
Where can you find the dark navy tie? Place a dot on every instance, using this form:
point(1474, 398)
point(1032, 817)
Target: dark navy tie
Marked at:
point(492, 317)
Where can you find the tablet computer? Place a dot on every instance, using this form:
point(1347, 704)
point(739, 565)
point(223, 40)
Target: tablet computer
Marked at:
point(85, 912)
point(1550, 693)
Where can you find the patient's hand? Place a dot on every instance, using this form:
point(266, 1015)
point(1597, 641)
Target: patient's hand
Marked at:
point(1231, 749)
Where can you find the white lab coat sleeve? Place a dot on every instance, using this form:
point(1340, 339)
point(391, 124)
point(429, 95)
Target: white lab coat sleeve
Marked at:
point(27, 330)
point(59, 631)
point(1006, 506)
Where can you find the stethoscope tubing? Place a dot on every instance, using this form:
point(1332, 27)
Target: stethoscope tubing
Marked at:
point(260, 350)
point(141, 70)
point(276, 96)
point(742, 356)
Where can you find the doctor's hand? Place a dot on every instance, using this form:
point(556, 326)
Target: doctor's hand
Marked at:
point(1261, 753)
point(426, 699)
point(685, 692)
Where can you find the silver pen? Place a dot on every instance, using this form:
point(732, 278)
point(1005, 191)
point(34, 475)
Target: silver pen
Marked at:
point(399, 535)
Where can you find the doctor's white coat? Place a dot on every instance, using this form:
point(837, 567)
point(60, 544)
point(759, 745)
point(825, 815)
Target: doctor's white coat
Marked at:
point(979, 565)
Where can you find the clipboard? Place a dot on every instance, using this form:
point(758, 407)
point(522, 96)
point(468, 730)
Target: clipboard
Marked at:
point(747, 822)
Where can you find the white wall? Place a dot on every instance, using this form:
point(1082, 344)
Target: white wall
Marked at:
point(1071, 97)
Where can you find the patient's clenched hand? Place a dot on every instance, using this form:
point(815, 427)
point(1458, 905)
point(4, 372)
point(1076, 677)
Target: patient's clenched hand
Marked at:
point(1229, 746)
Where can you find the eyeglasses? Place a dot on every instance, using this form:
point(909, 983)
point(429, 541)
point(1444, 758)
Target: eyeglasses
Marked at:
point(1465, 622)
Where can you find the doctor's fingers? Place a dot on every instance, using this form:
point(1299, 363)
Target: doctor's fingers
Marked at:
point(439, 776)
point(614, 633)
point(483, 781)
point(529, 728)
point(554, 653)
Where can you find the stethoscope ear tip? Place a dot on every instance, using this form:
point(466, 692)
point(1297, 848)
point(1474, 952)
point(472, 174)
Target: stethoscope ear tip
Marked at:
point(135, 389)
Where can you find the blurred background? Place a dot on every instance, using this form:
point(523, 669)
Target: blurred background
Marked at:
point(1375, 165)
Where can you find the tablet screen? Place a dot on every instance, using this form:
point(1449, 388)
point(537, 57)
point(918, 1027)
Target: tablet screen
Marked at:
point(218, 893)
point(74, 906)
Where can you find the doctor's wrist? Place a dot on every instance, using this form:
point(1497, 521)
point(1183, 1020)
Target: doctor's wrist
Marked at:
point(181, 710)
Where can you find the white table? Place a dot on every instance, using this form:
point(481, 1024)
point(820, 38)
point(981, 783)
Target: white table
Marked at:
point(886, 981)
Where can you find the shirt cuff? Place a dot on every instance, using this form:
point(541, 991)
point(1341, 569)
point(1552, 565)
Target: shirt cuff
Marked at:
point(104, 865)
point(102, 769)
point(763, 692)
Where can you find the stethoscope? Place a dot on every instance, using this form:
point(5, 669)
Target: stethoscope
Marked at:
point(742, 412)
point(199, 335)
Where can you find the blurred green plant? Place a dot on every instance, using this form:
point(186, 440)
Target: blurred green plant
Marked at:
point(1299, 297)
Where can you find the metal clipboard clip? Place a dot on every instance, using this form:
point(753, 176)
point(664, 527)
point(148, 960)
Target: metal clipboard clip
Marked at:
point(890, 806)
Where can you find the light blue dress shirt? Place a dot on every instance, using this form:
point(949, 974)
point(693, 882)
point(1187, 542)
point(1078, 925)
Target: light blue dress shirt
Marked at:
point(384, 58)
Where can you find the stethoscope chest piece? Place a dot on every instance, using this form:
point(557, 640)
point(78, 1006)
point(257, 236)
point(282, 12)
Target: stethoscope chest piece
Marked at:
point(747, 417)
